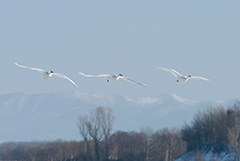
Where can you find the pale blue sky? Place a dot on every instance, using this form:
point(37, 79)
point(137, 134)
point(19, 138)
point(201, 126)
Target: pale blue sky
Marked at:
point(129, 37)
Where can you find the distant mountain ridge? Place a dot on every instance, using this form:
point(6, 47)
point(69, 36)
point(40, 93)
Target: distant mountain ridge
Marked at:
point(51, 116)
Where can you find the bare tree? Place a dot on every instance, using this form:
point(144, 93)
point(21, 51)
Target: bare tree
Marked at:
point(233, 139)
point(208, 128)
point(147, 135)
point(83, 122)
point(168, 144)
point(128, 146)
point(97, 125)
point(95, 131)
point(108, 118)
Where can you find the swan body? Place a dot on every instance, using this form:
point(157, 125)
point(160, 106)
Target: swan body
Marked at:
point(114, 78)
point(182, 78)
point(47, 74)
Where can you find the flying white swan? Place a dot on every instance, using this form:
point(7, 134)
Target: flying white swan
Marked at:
point(182, 78)
point(48, 74)
point(113, 78)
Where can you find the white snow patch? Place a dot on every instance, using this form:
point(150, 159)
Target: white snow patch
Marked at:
point(210, 156)
point(143, 101)
point(182, 100)
point(95, 98)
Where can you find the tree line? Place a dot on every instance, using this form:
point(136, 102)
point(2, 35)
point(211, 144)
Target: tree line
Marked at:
point(215, 129)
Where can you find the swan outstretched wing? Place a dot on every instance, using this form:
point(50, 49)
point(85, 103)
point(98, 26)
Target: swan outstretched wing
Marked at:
point(37, 69)
point(98, 75)
point(198, 77)
point(174, 72)
point(132, 81)
point(65, 77)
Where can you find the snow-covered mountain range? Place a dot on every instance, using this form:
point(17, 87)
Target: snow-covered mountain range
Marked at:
point(51, 116)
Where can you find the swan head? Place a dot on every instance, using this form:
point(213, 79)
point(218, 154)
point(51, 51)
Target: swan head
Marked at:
point(120, 75)
point(51, 71)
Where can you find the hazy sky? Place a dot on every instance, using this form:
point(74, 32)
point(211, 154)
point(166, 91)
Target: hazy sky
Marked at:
point(128, 37)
